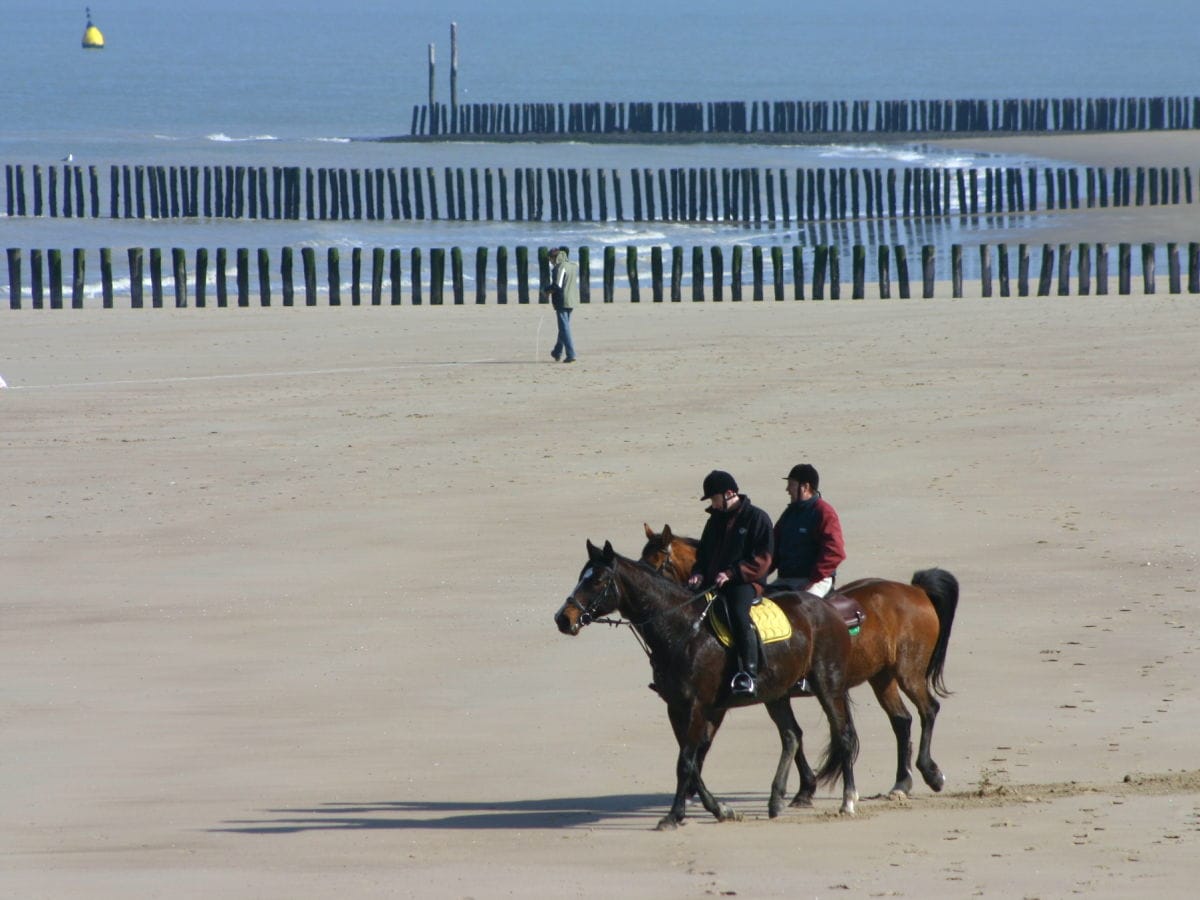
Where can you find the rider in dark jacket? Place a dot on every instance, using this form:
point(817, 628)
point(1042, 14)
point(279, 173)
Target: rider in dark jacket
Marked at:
point(735, 555)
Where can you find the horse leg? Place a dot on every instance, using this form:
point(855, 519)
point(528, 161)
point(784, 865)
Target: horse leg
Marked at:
point(843, 739)
point(790, 736)
point(694, 734)
point(927, 708)
point(888, 695)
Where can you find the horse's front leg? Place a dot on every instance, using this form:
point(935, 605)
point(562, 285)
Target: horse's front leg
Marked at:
point(790, 737)
point(694, 733)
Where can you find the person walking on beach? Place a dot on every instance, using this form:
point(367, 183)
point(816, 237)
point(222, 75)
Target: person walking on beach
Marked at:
point(808, 536)
point(564, 294)
point(735, 555)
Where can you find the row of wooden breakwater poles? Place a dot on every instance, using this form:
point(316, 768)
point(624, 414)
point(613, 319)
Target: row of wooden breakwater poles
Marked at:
point(743, 195)
point(532, 275)
point(810, 117)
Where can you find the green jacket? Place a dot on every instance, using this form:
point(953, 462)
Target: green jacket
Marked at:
point(565, 276)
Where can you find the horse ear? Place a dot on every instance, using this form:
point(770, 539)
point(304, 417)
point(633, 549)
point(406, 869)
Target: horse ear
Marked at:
point(649, 531)
point(609, 553)
point(666, 534)
point(593, 551)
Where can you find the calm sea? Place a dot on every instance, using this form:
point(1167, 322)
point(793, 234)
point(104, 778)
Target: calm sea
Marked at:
point(207, 82)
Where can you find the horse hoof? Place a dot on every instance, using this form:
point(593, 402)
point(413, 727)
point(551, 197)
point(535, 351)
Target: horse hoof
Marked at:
point(774, 809)
point(937, 782)
point(728, 814)
point(666, 824)
point(805, 802)
point(897, 794)
point(847, 809)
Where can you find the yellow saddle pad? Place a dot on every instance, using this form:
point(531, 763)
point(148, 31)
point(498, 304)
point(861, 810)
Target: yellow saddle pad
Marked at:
point(772, 624)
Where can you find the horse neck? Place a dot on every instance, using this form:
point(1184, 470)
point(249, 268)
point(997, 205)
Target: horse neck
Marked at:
point(649, 598)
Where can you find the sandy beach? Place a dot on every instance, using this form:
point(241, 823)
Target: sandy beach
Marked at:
point(280, 586)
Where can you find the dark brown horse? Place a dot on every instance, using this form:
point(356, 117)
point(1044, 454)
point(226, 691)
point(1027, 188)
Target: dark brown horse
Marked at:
point(693, 671)
point(901, 647)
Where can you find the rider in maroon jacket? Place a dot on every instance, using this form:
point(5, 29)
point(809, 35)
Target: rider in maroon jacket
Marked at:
point(808, 536)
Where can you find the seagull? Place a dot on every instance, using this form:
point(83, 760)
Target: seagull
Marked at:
point(69, 157)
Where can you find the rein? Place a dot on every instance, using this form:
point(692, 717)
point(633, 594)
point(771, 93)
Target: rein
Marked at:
point(589, 617)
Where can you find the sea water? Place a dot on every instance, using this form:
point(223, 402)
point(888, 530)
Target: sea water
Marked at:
point(303, 83)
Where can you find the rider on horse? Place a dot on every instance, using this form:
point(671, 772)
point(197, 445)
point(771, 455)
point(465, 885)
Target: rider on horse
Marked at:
point(808, 537)
point(735, 555)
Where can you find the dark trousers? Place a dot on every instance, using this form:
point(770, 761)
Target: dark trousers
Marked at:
point(738, 600)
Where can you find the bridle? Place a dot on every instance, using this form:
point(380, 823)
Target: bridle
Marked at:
point(588, 612)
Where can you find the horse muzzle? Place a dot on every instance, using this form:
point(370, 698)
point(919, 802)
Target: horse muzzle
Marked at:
point(570, 619)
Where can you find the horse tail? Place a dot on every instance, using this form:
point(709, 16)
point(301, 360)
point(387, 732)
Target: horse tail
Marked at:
point(842, 750)
point(942, 588)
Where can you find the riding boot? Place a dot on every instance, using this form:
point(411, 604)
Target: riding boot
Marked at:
point(745, 682)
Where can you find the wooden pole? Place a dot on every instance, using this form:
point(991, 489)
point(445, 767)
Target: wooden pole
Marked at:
point(1174, 284)
point(676, 274)
point(522, 263)
point(14, 278)
point(859, 265)
point(756, 267)
point(308, 262)
point(1047, 271)
point(264, 277)
point(37, 284)
point(631, 274)
point(481, 259)
point(106, 277)
point(456, 275)
point(286, 267)
point(777, 272)
point(1064, 270)
point(985, 269)
point(437, 276)
point(901, 253)
point(820, 264)
point(697, 274)
point(885, 274)
point(1101, 269)
point(201, 277)
point(1148, 268)
point(333, 267)
point(453, 71)
point(835, 273)
point(156, 285)
point(1022, 270)
point(797, 272)
point(433, 118)
point(1085, 269)
point(179, 273)
point(656, 274)
point(502, 275)
point(79, 265)
point(956, 271)
point(222, 288)
point(356, 276)
point(927, 270)
point(394, 273)
point(136, 284)
point(610, 272)
point(735, 274)
point(1124, 268)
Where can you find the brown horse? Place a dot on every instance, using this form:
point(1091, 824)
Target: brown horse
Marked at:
point(693, 671)
point(901, 647)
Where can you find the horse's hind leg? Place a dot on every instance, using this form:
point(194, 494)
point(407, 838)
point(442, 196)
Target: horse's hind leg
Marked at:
point(843, 741)
point(792, 739)
point(927, 708)
point(887, 693)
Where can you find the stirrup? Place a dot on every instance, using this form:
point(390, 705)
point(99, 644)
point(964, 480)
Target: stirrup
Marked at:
point(743, 684)
point(802, 688)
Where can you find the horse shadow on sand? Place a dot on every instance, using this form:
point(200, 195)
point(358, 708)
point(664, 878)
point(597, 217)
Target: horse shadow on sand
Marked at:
point(616, 811)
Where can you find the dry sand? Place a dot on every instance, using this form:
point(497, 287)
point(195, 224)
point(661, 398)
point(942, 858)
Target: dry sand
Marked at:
point(279, 586)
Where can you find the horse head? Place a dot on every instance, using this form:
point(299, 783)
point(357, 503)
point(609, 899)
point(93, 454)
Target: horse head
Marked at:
point(669, 555)
point(595, 594)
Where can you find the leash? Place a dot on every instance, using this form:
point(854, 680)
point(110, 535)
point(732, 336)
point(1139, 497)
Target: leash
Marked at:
point(710, 594)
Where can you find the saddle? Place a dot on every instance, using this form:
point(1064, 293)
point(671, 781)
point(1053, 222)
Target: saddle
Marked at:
point(769, 620)
point(848, 609)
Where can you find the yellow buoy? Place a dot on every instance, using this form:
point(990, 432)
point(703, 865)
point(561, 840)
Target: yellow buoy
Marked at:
point(92, 38)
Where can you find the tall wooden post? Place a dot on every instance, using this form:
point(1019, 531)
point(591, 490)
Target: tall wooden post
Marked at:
point(453, 73)
point(433, 117)
point(14, 278)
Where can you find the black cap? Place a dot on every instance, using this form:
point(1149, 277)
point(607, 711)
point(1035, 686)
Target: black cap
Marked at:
point(805, 474)
point(718, 482)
